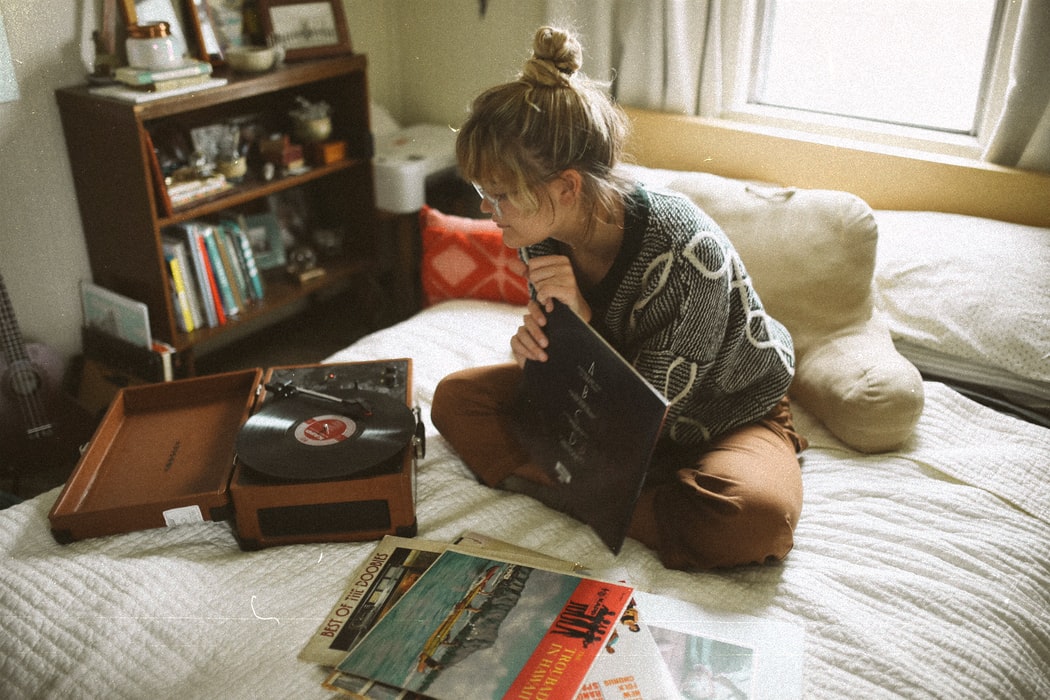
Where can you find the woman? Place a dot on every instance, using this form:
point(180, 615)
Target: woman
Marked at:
point(662, 283)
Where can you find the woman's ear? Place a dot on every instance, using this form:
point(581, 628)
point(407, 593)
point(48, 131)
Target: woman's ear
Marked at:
point(569, 184)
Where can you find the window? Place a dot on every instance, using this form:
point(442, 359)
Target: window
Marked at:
point(917, 63)
point(915, 73)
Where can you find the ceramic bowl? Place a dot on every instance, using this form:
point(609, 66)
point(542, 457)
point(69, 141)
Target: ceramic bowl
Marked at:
point(251, 59)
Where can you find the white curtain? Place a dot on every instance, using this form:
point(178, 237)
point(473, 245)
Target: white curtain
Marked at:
point(1021, 137)
point(650, 51)
point(667, 55)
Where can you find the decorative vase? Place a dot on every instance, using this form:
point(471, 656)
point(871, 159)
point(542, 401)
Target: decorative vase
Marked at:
point(313, 130)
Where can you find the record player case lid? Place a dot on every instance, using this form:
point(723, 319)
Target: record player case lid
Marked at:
point(159, 447)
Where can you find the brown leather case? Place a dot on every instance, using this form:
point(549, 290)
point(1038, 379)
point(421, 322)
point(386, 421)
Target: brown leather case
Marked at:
point(164, 454)
point(159, 449)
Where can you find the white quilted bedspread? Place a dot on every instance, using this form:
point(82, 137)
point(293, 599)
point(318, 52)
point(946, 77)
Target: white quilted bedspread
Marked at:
point(921, 573)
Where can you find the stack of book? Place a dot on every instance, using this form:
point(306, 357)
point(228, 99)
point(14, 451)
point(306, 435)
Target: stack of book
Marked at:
point(191, 73)
point(142, 84)
point(212, 271)
point(181, 193)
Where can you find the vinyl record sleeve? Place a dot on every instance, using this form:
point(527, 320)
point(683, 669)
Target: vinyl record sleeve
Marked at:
point(589, 418)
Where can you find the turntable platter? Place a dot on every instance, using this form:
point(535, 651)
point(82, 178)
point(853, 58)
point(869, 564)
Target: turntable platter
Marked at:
point(299, 438)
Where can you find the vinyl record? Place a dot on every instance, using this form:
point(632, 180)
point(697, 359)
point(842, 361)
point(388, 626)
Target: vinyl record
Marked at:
point(301, 438)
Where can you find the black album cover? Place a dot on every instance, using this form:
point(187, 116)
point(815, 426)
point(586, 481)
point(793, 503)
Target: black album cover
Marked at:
point(592, 421)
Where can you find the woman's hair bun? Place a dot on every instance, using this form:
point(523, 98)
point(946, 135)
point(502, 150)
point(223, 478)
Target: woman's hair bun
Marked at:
point(556, 56)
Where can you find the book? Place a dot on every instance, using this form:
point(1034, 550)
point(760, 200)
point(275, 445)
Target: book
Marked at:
point(236, 231)
point(179, 297)
point(127, 93)
point(176, 249)
point(175, 83)
point(214, 315)
point(201, 235)
point(144, 76)
point(235, 264)
point(232, 265)
point(116, 314)
point(631, 665)
point(592, 421)
point(482, 627)
point(186, 191)
point(219, 270)
point(719, 654)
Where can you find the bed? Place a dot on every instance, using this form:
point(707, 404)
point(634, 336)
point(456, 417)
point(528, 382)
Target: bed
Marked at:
point(921, 568)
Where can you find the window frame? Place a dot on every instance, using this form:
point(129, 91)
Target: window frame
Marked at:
point(736, 61)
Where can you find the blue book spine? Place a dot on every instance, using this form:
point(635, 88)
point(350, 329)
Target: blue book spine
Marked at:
point(222, 281)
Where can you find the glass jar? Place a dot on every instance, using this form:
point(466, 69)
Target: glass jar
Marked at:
point(151, 47)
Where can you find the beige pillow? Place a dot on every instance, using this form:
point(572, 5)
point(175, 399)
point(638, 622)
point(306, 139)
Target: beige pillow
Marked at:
point(1001, 333)
point(811, 255)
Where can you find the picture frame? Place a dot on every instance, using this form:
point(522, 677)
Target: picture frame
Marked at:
point(217, 26)
point(305, 28)
point(264, 233)
point(292, 212)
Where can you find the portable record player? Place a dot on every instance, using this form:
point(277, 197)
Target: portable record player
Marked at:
point(329, 455)
point(309, 453)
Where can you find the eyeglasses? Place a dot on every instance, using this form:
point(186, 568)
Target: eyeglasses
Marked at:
point(493, 200)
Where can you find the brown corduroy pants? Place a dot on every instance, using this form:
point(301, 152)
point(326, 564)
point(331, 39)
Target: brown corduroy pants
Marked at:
point(737, 504)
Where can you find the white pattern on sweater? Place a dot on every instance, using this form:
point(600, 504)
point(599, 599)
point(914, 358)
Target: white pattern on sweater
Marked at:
point(683, 311)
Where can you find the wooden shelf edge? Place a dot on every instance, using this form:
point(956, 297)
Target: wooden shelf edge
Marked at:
point(250, 191)
point(281, 292)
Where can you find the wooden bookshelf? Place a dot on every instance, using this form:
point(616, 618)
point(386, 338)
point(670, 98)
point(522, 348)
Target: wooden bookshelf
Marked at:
point(110, 145)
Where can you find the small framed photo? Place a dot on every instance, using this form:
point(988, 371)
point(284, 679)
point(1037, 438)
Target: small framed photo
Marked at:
point(264, 233)
point(217, 25)
point(305, 28)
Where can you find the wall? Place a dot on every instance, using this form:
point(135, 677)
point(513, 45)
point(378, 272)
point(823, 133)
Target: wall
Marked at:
point(427, 59)
point(42, 254)
point(449, 53)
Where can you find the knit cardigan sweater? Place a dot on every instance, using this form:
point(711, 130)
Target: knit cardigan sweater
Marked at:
point(679, 306)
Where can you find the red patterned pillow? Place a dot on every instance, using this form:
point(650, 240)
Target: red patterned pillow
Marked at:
point(466, 259)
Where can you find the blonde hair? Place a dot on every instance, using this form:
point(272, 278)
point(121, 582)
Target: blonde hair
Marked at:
point(550, 119)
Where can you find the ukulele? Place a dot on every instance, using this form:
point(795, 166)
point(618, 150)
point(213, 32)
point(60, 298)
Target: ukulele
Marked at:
point(41, 427)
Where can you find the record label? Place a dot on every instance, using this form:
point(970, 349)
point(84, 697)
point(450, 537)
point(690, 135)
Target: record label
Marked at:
point(321, 431)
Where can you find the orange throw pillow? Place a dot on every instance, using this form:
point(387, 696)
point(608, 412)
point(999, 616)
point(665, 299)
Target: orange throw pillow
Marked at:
point(466, 259)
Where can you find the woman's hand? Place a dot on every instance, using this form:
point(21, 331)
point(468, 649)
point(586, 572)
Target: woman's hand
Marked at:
point(552, 277)
point(530, 342)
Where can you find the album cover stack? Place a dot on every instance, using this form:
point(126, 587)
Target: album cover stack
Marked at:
point(481, 618)
point(318, 453)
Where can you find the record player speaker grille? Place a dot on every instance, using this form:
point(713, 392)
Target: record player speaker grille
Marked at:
point(324, 518)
